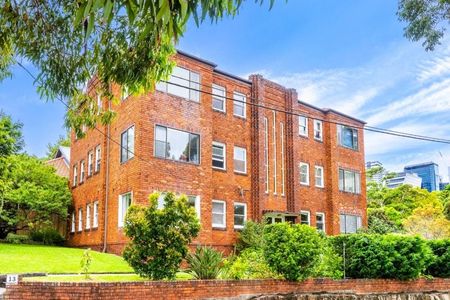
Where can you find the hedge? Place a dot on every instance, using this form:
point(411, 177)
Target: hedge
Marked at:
point(440, 267)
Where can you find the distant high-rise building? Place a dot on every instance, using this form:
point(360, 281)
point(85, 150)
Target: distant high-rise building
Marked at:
point(404, 178)
point(377, 177)
point(429, 172)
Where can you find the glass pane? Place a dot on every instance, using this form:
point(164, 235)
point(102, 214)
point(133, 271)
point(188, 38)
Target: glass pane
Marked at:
point(195, 87)
point(161, 86)
point(217, 219)
point(160, 133)
point(218, 163)
point(349, 181)
point(319, 218)
point(342, 223)
point(357, 183)
point(350, 224)
point(341, 179)
point(191, 200)
point(194, 148)
point(177, 145)
point(160, 149)
point(239, 209)
point(123, 147)
point(239, 153)
point(238, 109)
point(218, 207)
point(347, 137)
point(217, 151)
point(239, 165)
point(239, 220)
point(131, 142)
point(180, 77)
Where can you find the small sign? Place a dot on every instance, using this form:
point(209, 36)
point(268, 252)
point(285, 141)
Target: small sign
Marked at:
point(12, 279)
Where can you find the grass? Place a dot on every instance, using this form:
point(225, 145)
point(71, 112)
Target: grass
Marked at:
point(99, 278)
point(48, 259)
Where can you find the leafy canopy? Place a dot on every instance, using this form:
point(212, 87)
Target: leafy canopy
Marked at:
point(128, 42)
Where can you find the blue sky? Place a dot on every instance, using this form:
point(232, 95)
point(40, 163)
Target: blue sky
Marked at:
point(348, 55)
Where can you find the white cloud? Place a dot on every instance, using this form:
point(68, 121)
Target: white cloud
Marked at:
point(434, 68)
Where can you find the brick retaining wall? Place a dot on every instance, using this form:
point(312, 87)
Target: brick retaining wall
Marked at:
point(202, 289)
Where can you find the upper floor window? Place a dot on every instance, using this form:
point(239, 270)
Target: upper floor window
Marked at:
point(219, 155)
point(239, 104)
point(347, 136)
point(318, 130)
point(124, 204)
point(319, 176)
point(98, 158)
point(320, 221)
point(125, 93)
point(304, 173)
point(305, 217)
point(127, 145)
point(302, 125)
point(219, 214)
point(81, 171)
point(177, 145)
point(75, 176)
point(240, 215)
point(349, 181)
point(183, 83)
point(240, 160)
point(90, 163)
point(218, 98)
point(99, 102)
point(95, 215)
point(349, 223)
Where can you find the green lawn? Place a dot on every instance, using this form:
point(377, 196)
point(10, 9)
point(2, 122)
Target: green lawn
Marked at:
point(99, 278)
point(47, 259)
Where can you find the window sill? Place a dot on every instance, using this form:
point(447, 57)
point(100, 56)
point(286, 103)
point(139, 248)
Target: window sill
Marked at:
point(240, 173)
point(177, 161)
point(320, 187)
point(349, 148)
point(219, 228)
point(304, 184)
point(124, 162)
point(244, 118)
point(223, 112)
point(304, 136)
point(318, 140)
point(219, 169)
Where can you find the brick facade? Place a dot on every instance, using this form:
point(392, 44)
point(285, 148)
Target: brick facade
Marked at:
point(276, 153)
point(233, 289)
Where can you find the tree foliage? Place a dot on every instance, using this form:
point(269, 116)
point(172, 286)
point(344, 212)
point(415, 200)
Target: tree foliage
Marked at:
point(440, 267)
point(429, 222)
point(11, 139)
point(126, 42)
point(159, 238)
point(426, 19)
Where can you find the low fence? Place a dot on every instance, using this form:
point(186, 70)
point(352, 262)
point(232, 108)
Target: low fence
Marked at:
point(204, 289)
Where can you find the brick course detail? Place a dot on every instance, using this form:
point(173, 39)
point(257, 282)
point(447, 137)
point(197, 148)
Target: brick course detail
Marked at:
point(278, 194)
point(213, 289)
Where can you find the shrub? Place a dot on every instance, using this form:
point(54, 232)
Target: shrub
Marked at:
point(383, 256)
point(205, 263)
point(251, 236)
point(13, 238)
point(249, 264)
point(292, 250)
point(85, 263)
point(159, 238)
point(440, 267)
point(47, 236)
point(330, 263)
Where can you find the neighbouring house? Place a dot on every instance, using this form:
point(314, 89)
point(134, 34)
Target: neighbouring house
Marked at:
point(402, 178)
point(239, 149)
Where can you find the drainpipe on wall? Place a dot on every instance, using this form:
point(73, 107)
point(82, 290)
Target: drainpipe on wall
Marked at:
point(105, 210)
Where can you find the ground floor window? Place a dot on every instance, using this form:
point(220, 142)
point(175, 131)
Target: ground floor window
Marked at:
point(305, 217)
point(218, 214)
point(349, 223)
point(320, 221)
point(240, 215)
point(124, 204)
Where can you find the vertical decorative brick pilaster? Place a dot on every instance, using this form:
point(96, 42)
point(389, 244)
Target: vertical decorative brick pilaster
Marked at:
point(255, 194)
point(291, 97)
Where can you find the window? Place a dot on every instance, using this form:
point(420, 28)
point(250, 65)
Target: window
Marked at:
point(127, 145)
point(75, 176)
point(125, 93)
point(218, 214)
point(318, 130)
point(304, 173)
point(239, 104)
point(349, 181)
point(240, 215)
point(90, 162)
point(304, 217)
point(349, 223)
point(266, 153)
point(82, 171)
point(320, 221)
point(193, 201)
point(80, 219)
point(240, 160)
point(319, 176)
point(177, 145)
point(282, 158)
point(88, 216)
point(274, 145)
point(218, 156)
point(302, 126)
point(218, 98)
point(72, 227)
point(182, 83)
point(95, 219)
point(124, 204)
point(347, 137)
point(99, 103)
point(98, 158)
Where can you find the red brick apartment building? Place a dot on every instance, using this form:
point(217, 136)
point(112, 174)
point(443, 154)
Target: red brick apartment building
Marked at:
point(240, 149)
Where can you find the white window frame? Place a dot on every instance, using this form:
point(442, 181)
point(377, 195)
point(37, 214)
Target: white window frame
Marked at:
point(323, 221)
point(192, 86)
point(124, 93)
point(245, 160)
point(224, 147)
point(317, 122)
point(82, 171)
point(322, 180)
point(88, 216)
point(72, 225)
point(358, 221)
point(90, 163)
point(80, 219)
point(305, 212)
point(129, 147)
point(266, 153)
point(218, 97)
point(224, 216)
point(121, 216)
point(98, 158)
point(75, 175)
point(302, 164)
point(282, 159)
point(245, 214)
point(339, 129)
point(274, 144)
point(305, 126)
point(99, 103)
point(241, 99)
point(95, 215)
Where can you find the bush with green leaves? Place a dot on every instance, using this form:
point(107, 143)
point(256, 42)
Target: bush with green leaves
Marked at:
point(13, 238)
point(330, 263)
point(159, 238)
point(205, 263)
point(85, 263)
point(440, 267)
point(249, 264)
point(251, 236)
point(383, 256)
point(47, 236)
point(292, 250)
